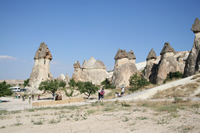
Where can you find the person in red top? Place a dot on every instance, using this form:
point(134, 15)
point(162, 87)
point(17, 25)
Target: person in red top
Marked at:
point(102, 94)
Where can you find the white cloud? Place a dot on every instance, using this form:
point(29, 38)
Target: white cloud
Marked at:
point(5, 57)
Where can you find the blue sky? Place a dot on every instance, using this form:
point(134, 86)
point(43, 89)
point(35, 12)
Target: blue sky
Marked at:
point(78, 29)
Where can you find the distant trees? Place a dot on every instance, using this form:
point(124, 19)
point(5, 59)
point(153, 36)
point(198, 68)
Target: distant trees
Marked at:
point(4, 89)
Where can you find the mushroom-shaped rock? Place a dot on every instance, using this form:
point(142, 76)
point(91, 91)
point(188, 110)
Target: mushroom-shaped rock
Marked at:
point(167, 48)
point(121, 54)
point(196, 26)
point(77, 65)
point(43, 52)
point(151, 55)
point(131, 55)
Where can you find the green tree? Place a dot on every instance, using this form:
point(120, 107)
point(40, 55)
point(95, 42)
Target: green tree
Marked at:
point(26, 82)
point(137, 82)
point(87, 88)
point(49, 85)
point(72, 83)
point(62, 84)
point(4, 89)
point(107, 84)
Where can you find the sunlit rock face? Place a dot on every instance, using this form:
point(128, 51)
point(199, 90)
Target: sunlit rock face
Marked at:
point(124, 68)
point(41, 68)
point(168, 63)
point(193, 61)
point(91, 70)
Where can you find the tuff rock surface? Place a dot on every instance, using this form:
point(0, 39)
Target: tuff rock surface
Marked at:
point(193, 60)
point(41, 68)
point(168, 63)
point(124, 67)
point(91, 70)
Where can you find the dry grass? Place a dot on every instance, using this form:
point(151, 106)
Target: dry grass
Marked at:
point(177, 91)
point(196, 77)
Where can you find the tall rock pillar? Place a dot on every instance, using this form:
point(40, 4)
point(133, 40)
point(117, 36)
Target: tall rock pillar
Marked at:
point(41, 69)
point(193, 60)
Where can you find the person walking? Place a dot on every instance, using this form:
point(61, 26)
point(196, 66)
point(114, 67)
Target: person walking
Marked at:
point(102, 94)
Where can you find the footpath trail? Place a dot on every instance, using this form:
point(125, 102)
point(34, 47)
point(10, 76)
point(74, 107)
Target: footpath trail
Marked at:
point(17, 104)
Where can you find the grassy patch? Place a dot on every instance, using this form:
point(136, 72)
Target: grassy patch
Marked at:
point(39, 122)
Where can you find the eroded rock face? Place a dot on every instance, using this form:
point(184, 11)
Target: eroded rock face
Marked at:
point(91, 70)
point(193, 60)
point(124, 67)
point(168, 63)
point(58, 96)
point(41, 69)
point(150, 61)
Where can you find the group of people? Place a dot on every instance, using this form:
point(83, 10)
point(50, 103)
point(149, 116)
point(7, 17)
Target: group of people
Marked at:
point(101, 93)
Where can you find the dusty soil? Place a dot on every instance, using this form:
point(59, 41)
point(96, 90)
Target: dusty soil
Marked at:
point(117, 117)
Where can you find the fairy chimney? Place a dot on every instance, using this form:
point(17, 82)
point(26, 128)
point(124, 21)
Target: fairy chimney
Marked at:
point(41, 68)
point(193, 61)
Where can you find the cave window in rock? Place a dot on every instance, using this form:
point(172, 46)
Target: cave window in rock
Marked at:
point(44, 61)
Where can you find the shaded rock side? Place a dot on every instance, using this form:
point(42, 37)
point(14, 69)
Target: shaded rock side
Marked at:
point(193, 60)
point(196, 26)
point(150, 61)
point(41, 68)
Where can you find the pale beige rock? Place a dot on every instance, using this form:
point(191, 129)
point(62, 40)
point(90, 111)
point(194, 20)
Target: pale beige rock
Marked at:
point(124, 68)
point(61, 77)
point(41, 69)
point(91, 70)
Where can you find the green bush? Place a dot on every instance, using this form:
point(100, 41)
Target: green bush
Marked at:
point(4, 89)
point(173, 75)
point(136, 82)
point(26, 82)
point(107, 84)
point(87, 88)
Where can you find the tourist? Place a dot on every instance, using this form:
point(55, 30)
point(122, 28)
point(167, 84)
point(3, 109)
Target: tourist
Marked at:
point(102, 94)
point(29, 99)
point(123, 87)
point(39, 97)
point(99, 94)
point(32, 97)
point(18, 96)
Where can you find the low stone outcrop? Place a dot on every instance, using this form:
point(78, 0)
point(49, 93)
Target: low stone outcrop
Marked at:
point(41, 68)
point(58, 96)
point(193, 61)
point(91, 70)
point(124, 67)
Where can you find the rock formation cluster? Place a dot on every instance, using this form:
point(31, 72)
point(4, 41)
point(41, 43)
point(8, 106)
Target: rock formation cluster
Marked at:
point(156, 70)
point(91, 70)
point(124, 67)
point(193, 61)
point(41, 68)
point(170, 61)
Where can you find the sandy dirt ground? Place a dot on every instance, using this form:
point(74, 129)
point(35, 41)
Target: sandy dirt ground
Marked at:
point(107, 117)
